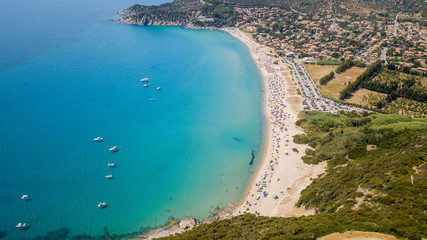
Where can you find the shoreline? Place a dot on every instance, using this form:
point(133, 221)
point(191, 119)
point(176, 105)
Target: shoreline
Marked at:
point(281, 171)
point(292, 174)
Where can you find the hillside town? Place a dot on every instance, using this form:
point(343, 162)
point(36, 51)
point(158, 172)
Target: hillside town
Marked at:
point(329, 39)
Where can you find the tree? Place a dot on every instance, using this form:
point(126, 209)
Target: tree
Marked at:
point(324, 80)
point(347, 64)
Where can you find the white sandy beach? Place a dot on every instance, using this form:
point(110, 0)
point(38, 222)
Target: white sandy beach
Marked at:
point(281, 176)
point(281, 171)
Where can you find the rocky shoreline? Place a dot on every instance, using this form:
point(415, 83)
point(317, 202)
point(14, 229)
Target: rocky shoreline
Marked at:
point(144, 16)
point(176, 226)
point(154, 21)
point(177, 13)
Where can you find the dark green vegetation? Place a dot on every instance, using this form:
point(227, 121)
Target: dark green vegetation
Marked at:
point(181, 13)
point(398, 85)
point(380, 190)
point(328, 62)
point(370, 73)
point(347, 64)
point(402, 93)
point(324, 80)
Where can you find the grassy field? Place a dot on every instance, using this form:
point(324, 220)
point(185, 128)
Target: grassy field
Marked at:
point(360, 96)
point(333, 88)
point(316, 71)
point(369, 98)
point(358, 235)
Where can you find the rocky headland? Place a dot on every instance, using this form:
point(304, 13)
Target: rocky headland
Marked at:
point(175, 226)
point(196, 14)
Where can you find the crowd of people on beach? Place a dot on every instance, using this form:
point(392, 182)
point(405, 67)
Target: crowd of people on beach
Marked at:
point(275, 96)
point(279, 120)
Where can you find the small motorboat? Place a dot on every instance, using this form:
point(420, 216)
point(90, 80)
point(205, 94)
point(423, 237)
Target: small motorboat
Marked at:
point(25, 197)
point(144, 80)
point(98, 139)
point(151, 99)
point(158, 88)
point(109, 176)
point(22, 226)
point(102, 205)
point(111, 165)
point(113, 149)
point(146, 85)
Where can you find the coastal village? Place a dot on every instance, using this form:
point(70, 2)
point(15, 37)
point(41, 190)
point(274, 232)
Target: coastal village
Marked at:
point(285, 43)
point(298, 38)
point(338, 158)
point(330, 38)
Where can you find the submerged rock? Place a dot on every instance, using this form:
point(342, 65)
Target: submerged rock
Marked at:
point(2, 234)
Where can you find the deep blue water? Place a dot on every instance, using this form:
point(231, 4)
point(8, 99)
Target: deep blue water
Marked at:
point(68, 76)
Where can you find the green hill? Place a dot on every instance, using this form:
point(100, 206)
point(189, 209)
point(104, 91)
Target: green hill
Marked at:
point(375, 181)
point(186, 12)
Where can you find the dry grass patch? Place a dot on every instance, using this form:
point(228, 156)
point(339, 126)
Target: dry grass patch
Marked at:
point(358, 235)
point(361, 96)
point(318, 71)
point(338, 83)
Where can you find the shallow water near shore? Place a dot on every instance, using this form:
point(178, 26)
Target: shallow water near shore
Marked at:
point(184, 153)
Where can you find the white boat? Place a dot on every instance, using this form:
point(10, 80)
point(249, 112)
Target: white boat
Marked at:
point(158, 88)
point(98, 139)
point(113, 149)
point(151, 99)
point(144, 80)
point(102, 205)
point(22, 225)
point(111, 165)
point(109, 176)
point(146, 85)
point(25, 197)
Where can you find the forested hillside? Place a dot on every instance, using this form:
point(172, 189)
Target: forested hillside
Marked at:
point(186, 12)
point(375, 181)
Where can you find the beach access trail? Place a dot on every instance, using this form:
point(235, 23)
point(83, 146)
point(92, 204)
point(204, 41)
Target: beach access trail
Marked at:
point(281, 176)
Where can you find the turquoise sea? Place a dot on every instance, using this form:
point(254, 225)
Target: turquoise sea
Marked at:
point(67, 76)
